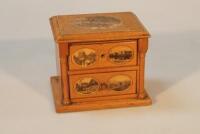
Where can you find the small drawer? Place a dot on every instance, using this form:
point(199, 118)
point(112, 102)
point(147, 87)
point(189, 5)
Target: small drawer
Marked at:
point(102, 84)
point(91, 56)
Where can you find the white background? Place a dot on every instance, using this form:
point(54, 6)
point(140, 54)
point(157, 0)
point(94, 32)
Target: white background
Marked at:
point(27, 60)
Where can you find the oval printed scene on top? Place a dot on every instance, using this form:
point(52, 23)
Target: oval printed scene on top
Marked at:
point(98, 22)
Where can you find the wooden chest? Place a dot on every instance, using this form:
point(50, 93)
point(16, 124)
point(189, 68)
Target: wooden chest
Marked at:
point(100, 61)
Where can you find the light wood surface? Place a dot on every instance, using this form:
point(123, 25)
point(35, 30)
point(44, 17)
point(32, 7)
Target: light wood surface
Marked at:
point(101, 57)
point(65, 27)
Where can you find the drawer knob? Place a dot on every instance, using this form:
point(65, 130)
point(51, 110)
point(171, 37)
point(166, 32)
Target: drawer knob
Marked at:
point(102, 55)
point(103, 85)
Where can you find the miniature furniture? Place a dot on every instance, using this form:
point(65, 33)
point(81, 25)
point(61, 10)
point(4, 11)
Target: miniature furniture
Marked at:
point(100, 61)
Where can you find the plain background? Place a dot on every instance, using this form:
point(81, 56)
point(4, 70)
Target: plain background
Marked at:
point(27, 60)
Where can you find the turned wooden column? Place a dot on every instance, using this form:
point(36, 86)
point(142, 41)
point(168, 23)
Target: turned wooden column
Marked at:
point(142, 48)
point(63, 51)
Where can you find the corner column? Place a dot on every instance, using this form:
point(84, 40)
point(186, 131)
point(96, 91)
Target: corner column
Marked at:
point(142, 49)
point(63, 53)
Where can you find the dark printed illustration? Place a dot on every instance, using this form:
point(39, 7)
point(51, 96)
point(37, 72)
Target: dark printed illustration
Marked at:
point(98, 22)
point(87, 85)
point(120, 54)
point(84, 57)
point(120, 82)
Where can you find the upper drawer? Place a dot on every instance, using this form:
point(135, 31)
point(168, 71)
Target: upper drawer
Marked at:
point(102, 55)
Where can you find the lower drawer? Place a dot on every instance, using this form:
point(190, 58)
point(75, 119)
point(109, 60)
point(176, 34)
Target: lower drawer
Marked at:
point(102, 84)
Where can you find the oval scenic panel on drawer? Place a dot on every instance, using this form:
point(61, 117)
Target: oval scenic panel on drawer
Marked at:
point(84, 57)
point(102, 84)
point(120, 54)
point(119, 82)
point(88, 56)
point(86, 85)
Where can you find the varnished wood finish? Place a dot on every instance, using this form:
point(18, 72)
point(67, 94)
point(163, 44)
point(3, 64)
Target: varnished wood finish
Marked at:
point(108, 97)
point(143, 46)
point(64, 29)
point(99, 46)
point(103, 70)
point(92, 105)
point(64, 77)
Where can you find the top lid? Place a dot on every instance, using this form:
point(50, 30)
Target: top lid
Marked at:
point(97, 26)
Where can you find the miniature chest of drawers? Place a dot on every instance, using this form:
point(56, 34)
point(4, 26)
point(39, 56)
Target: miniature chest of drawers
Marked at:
point(100, 61)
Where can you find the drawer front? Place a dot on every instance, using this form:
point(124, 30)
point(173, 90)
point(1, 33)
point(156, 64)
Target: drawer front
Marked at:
point(102, 55)
point(102, 84)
